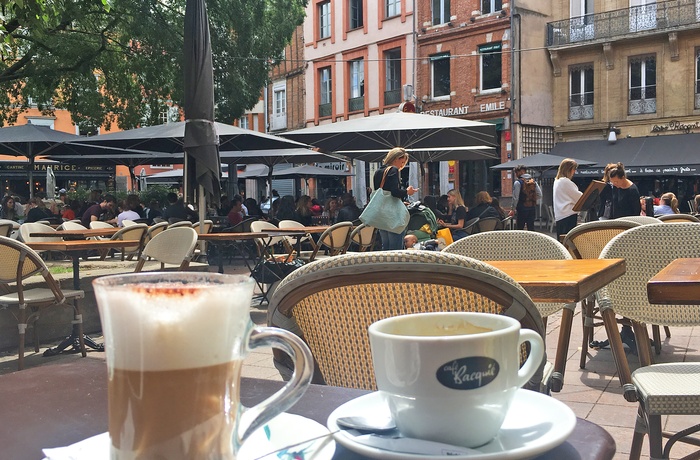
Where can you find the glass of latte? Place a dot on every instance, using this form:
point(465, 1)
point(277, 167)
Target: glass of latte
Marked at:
point(175, 343)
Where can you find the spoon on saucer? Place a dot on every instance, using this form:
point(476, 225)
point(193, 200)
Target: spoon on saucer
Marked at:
point(374, 424)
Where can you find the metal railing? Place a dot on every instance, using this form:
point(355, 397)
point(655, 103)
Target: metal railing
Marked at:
point(392, 96)
point(617, 23)
point(356, 103)
point(324, 110)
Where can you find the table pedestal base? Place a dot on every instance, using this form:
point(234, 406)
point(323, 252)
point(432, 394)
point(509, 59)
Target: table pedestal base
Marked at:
point(74, 340)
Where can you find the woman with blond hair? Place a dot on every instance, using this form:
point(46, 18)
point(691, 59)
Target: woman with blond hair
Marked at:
point(388, 178)
point(457, 216)
point(565, 196)
point(668, 204)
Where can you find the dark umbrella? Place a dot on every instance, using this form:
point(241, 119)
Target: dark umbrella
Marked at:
point(200, 141)
point(540, 162)
point(31, 141)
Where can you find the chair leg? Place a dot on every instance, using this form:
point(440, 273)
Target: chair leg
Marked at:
point(587, 323)
point(656, 333)
point(567, 319)
point(668, 332)
point(21, 329)
point(643, 346)
point(640, 430)
point(618, 352)
point(655, 437)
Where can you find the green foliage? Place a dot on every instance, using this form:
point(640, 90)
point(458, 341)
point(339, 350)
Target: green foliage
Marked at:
point(156, 192)
point(120, 61)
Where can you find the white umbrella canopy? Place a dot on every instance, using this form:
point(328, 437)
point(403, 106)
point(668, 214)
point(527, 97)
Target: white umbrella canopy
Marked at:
point(539, 161)
point(416, 132)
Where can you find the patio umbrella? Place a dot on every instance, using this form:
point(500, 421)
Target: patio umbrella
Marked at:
point(50, 183)
point(31, 141)
point(540, 162)
point(200, 141)
point(413, 131)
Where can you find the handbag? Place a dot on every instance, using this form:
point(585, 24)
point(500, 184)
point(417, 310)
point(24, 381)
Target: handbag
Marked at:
point(446, 235)
point(385, 211)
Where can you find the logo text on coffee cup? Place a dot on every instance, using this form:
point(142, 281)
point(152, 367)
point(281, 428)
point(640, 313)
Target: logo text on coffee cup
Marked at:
point(468, 373)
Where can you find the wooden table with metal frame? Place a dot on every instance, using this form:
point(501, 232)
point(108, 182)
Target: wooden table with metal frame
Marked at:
point(562, 281)
point(677, 284)
point(77, 234)
point(64, 410)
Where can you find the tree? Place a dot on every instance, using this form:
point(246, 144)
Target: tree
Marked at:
point(120, 61)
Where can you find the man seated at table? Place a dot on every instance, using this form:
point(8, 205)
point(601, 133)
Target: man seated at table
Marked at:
point(176, 210)
point(95, 211)
point(235, 215)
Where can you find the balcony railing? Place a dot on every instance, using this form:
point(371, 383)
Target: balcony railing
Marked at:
point(617, 23)
point(356, 103)
point(392, 97)
point(324, 110)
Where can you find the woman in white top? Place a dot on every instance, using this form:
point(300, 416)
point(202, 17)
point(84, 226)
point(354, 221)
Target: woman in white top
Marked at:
point(566, 194)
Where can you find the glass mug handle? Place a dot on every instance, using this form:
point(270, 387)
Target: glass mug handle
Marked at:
point(534, 359)
point(254, 417)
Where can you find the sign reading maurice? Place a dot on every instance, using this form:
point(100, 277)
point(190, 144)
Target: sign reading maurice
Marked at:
point(56, 167)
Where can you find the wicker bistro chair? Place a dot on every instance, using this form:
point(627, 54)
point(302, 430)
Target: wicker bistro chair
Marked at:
point(665, 389)
point(363, 238)
point(153, 230)
point(180, 223)
point(136, 232)
point(6, 227)
point(201, 248)
point(525, 245)
point(678, 218)
point(172, 246)
point(586, 241)
point(644, 220)
point(331, 303)
point(487, 224)
point(100, 224)
point(19, 262)
point(334, 240)
point(263, 226)
point(646, 249)
point(70, 225)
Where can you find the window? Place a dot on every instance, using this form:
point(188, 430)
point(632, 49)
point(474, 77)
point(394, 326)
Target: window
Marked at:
point(392, 90)
point(440, 72)
point(697, 78)
point(491, 6)
point(441, 11)
point(642, 85)
point(357, 85)
point(356, 14)
point(243, 122)
point(582, 25)
point(324, 108)
point(581, 92)
point(490, 57)
point(324, 19)
point(279, 106)
point(393, 8)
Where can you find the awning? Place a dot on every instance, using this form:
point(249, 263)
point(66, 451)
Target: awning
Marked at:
point(670, 155)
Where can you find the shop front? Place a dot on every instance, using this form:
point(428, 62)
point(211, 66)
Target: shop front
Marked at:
point(14, 177)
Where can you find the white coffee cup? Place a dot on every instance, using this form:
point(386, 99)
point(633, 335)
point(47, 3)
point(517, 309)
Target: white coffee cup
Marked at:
point(175, 344)
point(450, 377)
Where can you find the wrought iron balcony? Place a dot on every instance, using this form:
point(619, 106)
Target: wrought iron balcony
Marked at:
point(660, 16)
point(356, 103)
point(324, 110)
point(392, 97)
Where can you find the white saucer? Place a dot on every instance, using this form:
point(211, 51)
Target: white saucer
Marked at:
point(535, 423)
point(285, 430)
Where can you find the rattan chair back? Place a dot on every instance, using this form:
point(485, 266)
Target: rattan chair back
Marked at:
point(364, 237)
point(100, 224)
point(153, 230)
point(332, 302)
point(27, 228)
point(208, 225)
point(488, 224)
point(136, 232)
point(180, 223)
point(586, 241)
point(644, 220)
point(17, 263)
point(646, 249)
point(332, 242)
point(70, 225)
point(173, 246)
point(678, 218)
point(6, 227)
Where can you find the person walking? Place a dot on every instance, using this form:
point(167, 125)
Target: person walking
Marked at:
point(388, 178)
point(527, 194)
point(565, 196)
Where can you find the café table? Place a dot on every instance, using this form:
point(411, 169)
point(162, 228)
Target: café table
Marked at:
point(76, 248)
point(78, 234)
point(562, 281)
point(63, 410)
point(677, 284)
point(301, 231)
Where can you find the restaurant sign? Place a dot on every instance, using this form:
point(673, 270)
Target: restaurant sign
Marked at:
point(668, 170)
point(675, 125)
point(56, 167)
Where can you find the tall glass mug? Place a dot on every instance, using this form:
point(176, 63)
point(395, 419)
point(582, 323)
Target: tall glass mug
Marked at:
point(175, 345)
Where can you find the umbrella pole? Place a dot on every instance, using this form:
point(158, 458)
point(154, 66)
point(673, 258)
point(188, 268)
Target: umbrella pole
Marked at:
point(202, 203)
point(31, 171)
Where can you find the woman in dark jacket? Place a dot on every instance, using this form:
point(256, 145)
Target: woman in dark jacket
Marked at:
point(394, 162)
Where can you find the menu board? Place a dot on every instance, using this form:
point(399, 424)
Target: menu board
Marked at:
point(589, 196)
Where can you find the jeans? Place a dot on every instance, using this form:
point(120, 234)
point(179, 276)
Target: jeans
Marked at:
point(391, 241)
point(525, 216)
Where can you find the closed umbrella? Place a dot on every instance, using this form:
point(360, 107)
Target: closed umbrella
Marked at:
point(50, 183)
point(201, 142)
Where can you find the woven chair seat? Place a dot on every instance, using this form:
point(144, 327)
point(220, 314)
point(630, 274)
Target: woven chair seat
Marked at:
point(38, 295)
point(332, 302)
point(664, 389)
